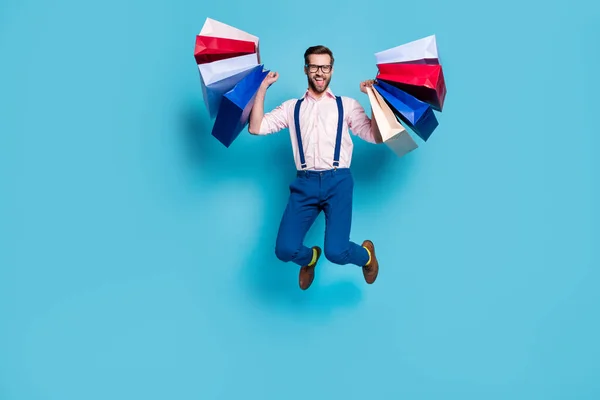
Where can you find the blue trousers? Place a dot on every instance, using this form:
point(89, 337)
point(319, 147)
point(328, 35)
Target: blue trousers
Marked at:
point(310, 193)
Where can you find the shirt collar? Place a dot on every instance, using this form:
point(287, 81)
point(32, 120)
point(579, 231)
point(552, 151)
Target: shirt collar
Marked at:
point(328, 93)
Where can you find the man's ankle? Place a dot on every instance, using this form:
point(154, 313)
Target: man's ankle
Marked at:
point(370, 257)
point(314, 258)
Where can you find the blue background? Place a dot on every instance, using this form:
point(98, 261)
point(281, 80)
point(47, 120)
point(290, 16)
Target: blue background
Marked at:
point(136, 256)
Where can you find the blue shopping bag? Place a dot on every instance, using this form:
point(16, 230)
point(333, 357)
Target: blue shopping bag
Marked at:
point(219, 77)
point(235, 107)
point(213, 92)
point(412, 111)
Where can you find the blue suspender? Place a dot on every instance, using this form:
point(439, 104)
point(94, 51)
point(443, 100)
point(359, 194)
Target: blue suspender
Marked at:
point(338, 139)
point(298, 136)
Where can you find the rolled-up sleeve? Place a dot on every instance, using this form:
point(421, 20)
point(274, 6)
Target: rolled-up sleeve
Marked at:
point(359, 122)
point(275, 120)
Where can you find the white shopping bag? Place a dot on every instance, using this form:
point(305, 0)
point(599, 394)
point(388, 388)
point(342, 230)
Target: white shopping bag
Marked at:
point(222, 69)
point(219, 77)
point(423, 51)
point(216, 28)
point(385, 124)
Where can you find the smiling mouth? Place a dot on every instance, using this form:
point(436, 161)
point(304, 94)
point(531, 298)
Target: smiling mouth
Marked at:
point(320, 81)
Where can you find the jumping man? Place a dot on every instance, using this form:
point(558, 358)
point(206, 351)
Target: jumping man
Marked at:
point(319, 125)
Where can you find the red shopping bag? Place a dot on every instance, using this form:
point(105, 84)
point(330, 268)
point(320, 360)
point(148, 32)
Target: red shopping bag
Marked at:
point(210, 48)
point(423, 81)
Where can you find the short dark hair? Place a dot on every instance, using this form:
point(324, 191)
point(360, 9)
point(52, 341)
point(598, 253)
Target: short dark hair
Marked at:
point(320, 49)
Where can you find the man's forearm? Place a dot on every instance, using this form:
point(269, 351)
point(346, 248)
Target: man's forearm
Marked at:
point(258, 111)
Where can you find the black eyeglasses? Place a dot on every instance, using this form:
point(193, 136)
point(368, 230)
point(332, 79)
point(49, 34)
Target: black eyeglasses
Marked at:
point(314, 68)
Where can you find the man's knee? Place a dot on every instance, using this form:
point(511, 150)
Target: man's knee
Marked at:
point(285, 252)
point(337, 254)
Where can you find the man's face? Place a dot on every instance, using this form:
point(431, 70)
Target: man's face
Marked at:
point(318, 80)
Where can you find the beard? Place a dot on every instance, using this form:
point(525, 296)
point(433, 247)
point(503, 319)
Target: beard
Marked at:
point(312, 83)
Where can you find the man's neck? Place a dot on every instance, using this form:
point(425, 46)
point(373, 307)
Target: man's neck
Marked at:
point(315, 94)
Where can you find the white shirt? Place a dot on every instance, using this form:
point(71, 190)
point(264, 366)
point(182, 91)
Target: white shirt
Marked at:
point(318, 127)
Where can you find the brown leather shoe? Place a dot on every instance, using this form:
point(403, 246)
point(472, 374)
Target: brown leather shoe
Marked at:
point(307, 272)
point(370, 270)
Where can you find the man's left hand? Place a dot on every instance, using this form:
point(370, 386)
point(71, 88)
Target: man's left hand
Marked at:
point(365, 84)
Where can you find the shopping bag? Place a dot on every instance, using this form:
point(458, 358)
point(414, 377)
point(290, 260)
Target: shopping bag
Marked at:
point(209, 49)
point(214, 28)
point(387, 127)
point(418, 115)
point(218, 77)
point(235, 107)
point(420, 51)
point(423, 81)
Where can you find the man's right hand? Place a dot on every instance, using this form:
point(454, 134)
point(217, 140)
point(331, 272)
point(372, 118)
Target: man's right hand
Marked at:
point(270, 79)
